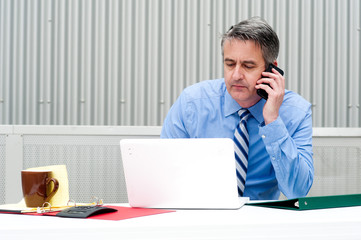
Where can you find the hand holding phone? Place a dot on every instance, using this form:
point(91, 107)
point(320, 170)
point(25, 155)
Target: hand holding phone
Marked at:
point(262, 93)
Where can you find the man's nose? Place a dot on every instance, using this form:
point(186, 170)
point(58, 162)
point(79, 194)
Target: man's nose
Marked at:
point(238, 73)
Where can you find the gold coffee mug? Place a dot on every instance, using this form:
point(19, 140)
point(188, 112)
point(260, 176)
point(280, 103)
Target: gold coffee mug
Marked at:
point(37, 188)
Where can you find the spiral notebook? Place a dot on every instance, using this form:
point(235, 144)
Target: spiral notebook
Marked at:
point(181, 173)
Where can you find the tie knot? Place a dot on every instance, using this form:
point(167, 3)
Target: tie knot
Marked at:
point(243, 114)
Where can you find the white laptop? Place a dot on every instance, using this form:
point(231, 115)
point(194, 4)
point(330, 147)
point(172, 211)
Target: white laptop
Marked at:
point(181, 173)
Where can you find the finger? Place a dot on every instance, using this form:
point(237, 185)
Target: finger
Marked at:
point(280, 77)
point(275, 80)
point(270, 81)
point(264, 86)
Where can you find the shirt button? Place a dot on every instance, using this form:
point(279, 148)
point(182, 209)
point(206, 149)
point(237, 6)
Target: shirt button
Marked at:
point(263, 136)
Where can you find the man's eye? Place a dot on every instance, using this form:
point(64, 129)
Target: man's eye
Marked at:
point(248, 66)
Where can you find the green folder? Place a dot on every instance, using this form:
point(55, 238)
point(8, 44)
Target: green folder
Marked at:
point(309, 203)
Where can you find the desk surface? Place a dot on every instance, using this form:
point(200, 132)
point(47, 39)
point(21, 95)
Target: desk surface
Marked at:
point(249, 222)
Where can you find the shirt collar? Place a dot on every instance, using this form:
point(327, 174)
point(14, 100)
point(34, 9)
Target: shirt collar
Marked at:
point(231, 107)
point(257, 110)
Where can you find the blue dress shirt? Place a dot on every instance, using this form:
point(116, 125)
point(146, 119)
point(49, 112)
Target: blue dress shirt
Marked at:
point(280, 153)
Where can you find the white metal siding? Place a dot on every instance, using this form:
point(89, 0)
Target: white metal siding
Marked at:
point(110, 62)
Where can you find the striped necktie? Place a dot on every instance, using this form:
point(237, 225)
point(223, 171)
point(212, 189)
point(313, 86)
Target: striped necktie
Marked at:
point(241, 150)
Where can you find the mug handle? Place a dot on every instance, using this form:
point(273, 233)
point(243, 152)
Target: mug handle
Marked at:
point(55, 189)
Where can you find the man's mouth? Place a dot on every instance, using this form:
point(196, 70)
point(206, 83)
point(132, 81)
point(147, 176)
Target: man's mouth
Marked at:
point(237, 86)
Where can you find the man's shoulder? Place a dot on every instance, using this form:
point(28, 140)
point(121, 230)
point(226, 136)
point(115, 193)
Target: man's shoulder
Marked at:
point(205, 89)
point(294, 100)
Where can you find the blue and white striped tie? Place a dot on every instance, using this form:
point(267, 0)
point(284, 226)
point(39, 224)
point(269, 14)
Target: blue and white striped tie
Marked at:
point(241, 150)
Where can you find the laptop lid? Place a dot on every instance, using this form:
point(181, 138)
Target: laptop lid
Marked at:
point(180, 173)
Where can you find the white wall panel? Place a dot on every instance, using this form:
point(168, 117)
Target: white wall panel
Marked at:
point(92, 157)
point(113, 62)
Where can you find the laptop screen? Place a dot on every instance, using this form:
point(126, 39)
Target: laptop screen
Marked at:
point(180, 173)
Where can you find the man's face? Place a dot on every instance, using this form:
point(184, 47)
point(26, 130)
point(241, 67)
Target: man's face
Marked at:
point(243, 66)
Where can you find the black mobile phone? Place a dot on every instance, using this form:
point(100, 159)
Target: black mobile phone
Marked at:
point(262, 93)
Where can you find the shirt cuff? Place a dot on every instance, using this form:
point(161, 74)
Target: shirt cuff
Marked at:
point(272, 132)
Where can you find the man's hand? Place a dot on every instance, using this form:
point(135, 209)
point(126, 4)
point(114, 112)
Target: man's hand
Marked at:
point(276, 92)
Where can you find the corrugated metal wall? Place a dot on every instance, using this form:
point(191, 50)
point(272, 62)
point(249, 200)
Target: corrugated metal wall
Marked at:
point(110, 62)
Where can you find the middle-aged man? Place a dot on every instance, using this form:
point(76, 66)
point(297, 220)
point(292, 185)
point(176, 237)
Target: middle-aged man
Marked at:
point(279, 129)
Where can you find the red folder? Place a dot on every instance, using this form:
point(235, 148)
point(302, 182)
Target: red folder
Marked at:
point(129, 212)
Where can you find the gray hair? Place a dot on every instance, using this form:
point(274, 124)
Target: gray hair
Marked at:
point(260, 32)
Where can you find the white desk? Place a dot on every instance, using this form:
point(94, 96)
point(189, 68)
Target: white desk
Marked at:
point(249, 222)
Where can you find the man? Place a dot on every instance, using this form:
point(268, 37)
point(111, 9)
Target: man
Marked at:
point(279, 128)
